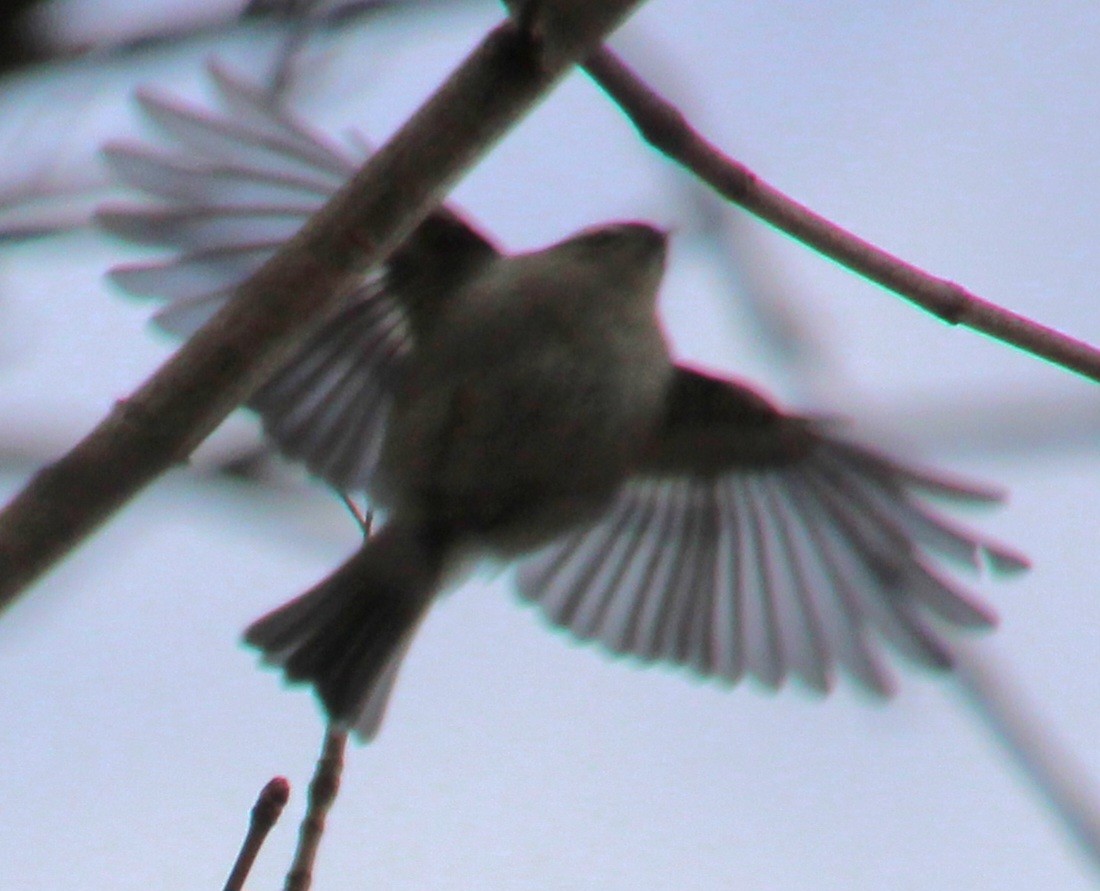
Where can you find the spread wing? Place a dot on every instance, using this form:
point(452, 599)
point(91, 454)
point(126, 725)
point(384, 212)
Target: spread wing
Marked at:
point(227, 189)
point(754, 543)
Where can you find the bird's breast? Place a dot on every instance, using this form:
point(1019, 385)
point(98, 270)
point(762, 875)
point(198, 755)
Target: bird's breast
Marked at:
point(518, 431)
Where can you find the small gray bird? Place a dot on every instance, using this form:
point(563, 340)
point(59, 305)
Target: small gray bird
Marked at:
point(526, 407)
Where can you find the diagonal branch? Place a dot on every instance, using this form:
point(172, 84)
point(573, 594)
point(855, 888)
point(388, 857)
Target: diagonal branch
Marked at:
point(1060, 779)
point(224, 362)
point(663, 126)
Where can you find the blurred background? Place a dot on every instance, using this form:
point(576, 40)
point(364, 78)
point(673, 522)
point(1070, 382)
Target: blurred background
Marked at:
point(137, 731)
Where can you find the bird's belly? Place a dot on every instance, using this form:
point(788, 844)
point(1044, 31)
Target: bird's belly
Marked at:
point(512, 453)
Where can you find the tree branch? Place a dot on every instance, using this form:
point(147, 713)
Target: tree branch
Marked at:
point(1061, 780)
point(322, 793)
point(665, 128)
point(265, 814)
point(224, 362)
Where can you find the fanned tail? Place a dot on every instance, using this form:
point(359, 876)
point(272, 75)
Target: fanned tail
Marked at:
point(347, 635)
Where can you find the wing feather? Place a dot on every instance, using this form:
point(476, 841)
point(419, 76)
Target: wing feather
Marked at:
point(789, 555)
point(226, 189)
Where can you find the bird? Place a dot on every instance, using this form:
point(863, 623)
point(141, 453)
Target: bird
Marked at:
point(526, 408)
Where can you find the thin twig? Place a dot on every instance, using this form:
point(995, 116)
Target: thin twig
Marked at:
point(322, 793)
point(265, 814)
point(276, 308)
point(364, 517)
point(665, 127)
point(1072, 796)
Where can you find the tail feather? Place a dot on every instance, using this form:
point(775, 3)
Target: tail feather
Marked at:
point(347, 635)
point(373, 708)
